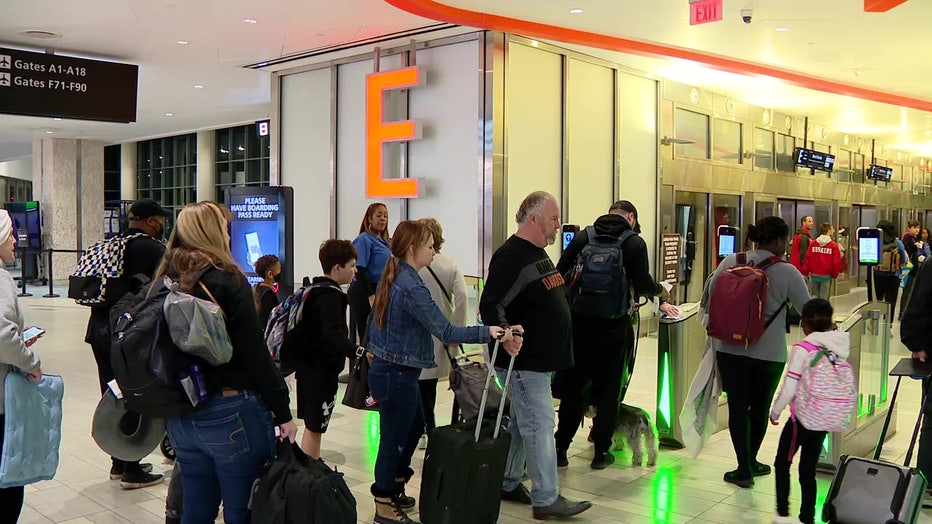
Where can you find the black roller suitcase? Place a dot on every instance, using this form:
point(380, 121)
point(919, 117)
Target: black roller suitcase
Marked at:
point(873, 491)
point(465, 465)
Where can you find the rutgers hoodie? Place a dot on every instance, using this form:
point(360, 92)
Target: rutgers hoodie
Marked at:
point(823, 260)
point(837, 342)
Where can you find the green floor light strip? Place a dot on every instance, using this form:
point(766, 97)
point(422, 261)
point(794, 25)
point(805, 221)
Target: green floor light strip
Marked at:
point(664, 402)
point(663, 494)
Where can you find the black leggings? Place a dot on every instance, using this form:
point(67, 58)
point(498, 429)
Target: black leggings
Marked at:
point(750, 384)
point(11, 499)
point(886, 288)
point(428, 401)
point(810, 442)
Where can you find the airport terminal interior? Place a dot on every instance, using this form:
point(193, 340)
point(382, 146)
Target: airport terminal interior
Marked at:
point(708, 115)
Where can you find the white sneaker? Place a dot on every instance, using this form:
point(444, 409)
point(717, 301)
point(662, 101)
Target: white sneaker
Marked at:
point(422, 444)
point(777, 519)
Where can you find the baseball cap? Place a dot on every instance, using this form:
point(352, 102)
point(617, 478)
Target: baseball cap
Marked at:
point(145, 208)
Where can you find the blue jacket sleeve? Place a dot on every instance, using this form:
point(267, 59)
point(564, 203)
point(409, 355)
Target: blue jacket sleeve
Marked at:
point(421, 306)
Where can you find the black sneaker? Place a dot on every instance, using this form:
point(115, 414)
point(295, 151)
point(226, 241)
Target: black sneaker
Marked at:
point(404, 502)
point(136, 480)
point(739, 479)
point(562, 461)
point(520, 495)
point(561, 508)
point(759, 469)
point(116, 471)
point(602, 460)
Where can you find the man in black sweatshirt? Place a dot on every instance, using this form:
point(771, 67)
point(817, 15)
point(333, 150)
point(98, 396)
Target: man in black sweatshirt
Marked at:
point(916, 335)
point(604, 348)
point(524, 289)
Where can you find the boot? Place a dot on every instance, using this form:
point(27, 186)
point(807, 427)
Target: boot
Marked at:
point(562, 461)
point(387, 512)
point(401, 499)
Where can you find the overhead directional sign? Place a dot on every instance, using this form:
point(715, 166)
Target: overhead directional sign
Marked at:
point(38, 84)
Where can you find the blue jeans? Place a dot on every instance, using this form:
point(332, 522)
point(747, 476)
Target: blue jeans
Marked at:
point(221, 448)
point(401, 422)
point(532, 443)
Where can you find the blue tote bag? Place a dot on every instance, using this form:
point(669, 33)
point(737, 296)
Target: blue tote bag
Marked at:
point(32, 432)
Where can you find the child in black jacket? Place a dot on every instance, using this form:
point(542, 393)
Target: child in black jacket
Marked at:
point(328, 341)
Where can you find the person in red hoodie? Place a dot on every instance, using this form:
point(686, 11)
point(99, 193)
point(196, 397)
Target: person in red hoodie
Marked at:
point(801, 243)
point(822, 263)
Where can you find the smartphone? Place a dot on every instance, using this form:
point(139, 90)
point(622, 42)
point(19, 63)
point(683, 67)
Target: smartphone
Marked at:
point(727, 240)
point(569, 233)
point(868, 246)
point(254, 251)
point(32, 332)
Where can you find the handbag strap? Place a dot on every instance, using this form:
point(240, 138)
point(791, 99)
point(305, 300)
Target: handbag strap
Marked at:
point(212, 299)
point(439, 283)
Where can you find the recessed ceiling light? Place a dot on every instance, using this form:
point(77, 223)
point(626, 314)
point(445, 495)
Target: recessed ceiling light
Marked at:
point(782, 29)
point(56, 118)
point(169, 114)
point(182, 42)
point(250, 21)
point(49, 132)
point(576, 10)
point(198, 87)
point(40, 34)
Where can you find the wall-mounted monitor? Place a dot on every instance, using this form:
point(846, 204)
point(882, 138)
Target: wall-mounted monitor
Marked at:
point(879, 173)
point(814, 159)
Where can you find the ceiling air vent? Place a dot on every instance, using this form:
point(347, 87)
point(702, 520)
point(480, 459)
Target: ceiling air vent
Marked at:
point(38, 33)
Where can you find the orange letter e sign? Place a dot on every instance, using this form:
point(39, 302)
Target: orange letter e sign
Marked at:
point(378, 132)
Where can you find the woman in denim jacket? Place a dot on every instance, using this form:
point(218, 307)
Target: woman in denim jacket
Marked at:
point(401, 346)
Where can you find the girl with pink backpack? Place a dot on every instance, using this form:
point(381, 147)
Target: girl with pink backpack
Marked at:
point(820, 390)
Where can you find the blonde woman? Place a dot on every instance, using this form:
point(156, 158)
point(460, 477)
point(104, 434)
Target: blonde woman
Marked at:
point(223, 443)
point(14, 351)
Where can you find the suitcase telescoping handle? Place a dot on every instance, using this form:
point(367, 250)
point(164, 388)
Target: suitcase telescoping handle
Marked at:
point(886, 422)
point(485, 393)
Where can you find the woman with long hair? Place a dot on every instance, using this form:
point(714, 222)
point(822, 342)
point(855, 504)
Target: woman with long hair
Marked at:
point(373, 248)
point(400, 342)
point(750, 374)
point(224, 442)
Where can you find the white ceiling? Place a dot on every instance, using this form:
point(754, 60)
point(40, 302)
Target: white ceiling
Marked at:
point(144, 32)
point(831, 39)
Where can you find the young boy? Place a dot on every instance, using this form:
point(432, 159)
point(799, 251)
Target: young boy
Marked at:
point(820, 331)
point(328, 342)
point(270, 269)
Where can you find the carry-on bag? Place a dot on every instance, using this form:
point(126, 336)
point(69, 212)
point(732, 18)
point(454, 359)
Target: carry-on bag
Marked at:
point(873, 491)
point(468, 382)
point(465, 465)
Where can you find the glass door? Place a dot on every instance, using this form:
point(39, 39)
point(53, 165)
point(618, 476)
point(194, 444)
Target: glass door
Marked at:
point(726, 211)
point(844, 236)
point(691, 212)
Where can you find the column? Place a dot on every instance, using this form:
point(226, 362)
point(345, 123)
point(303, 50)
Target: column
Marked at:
point(206, 177)
point(69, 184)
point(128, 153)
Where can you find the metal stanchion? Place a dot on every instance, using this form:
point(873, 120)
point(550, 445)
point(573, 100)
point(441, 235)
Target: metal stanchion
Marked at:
point(51, 293)
point(22, 274)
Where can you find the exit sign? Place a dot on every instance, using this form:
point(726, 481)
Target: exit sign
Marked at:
point(704, 11)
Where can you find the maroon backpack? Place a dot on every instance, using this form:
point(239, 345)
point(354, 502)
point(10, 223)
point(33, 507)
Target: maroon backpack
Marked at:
point(738, 302)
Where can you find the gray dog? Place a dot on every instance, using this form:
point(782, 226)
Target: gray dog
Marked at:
point(633, 426)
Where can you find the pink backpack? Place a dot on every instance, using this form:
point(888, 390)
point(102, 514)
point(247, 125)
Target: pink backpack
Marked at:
point(827, 394)
point(737, 304)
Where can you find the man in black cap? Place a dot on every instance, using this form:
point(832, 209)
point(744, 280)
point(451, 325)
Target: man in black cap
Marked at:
point(141, 255)
point(603, 348)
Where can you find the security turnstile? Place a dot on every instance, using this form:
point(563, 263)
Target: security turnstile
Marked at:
point(680, 346)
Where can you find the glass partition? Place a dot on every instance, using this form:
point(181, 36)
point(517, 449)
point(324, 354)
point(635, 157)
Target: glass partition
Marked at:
point(726, 141)
point(474, 287)
point(763, 149)
point(785, 146)
point(693, 129)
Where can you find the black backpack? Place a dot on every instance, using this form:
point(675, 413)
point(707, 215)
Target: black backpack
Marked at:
point(147, 365)
point(598, 285)
point(295, 488)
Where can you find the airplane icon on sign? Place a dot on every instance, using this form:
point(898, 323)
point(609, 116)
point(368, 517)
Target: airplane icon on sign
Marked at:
point(5, 61)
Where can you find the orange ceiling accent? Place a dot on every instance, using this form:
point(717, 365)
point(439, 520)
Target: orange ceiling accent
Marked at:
point(454, 15)
point(881, 6)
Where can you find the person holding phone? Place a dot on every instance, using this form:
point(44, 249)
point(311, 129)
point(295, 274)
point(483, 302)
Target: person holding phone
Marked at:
point(14, 349)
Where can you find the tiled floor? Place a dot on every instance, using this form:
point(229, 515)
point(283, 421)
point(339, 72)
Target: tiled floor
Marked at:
point(679, 489)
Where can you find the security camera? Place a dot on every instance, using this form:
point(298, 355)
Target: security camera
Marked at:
point(747, 15)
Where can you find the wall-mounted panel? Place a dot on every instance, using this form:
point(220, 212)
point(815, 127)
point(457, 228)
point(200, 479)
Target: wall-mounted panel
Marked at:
point(533, 127)
point(591, 141)
point(305, 161)
point(446, 157)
